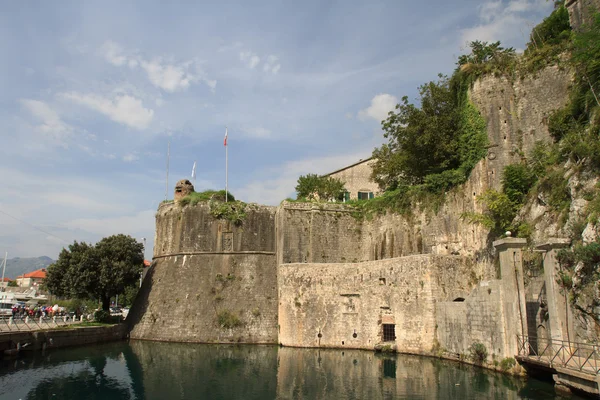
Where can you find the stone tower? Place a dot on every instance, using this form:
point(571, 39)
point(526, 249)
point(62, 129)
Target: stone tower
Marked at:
point(182, 189)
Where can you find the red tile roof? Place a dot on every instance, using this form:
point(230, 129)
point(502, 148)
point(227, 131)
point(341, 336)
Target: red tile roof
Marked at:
point(39, 274)
point(6, 280)
point(146, 263)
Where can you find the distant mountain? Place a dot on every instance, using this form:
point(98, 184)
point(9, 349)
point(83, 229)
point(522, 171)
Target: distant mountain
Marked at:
point(19, 266)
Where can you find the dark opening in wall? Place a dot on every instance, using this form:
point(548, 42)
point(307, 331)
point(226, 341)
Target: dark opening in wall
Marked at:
point(459, 299)
point(389, 332)
point(382, 281)
point(389, 368)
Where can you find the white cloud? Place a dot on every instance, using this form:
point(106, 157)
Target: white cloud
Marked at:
point(271, 65)
point(380, 106)
point(123, 109)
point(130, 157)
point(114, 53)
point(505, 22)
point(169, 76)
point(51, 123)
point(250, 58)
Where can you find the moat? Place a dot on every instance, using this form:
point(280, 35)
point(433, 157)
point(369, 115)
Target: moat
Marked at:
point(153, 370)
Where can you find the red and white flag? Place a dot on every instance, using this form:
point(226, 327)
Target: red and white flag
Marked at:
point(225, 141)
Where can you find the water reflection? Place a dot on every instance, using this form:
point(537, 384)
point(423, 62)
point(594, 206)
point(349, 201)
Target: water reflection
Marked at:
point(147, 370)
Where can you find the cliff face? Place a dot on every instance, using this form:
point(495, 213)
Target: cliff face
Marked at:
point(580, 11)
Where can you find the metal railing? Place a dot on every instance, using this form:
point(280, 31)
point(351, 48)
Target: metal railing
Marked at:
point(583, 357)
point(26, 323)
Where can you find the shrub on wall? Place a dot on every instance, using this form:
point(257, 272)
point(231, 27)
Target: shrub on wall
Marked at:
point(478, 353)
point(228, 320)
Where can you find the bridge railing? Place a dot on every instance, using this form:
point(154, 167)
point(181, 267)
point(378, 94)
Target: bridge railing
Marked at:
point(26, 323)
point(584, 357)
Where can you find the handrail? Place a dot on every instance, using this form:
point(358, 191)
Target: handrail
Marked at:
point(583, 357)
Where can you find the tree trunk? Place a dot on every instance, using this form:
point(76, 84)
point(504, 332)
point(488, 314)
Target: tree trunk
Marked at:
point(105, 303)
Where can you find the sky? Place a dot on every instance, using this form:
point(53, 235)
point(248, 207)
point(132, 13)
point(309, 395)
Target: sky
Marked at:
point(91, 93)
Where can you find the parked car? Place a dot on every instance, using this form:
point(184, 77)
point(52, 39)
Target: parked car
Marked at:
point(116, 311)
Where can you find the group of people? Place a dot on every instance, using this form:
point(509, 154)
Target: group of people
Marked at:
point(19, 310)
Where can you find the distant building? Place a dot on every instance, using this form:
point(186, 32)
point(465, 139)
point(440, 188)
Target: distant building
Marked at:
point(32, 279)
point(357, 180)
point(5, 282)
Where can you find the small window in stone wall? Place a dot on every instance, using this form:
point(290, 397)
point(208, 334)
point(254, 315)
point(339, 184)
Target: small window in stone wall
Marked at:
point(365, 195)
point(346, 197)
point(389, 332)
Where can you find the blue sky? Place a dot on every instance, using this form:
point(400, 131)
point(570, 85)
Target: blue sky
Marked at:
point(91, 93)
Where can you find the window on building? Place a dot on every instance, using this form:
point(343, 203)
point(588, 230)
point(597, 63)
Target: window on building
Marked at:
point(346, 197)
point(389, 332)
point(389, 368)
point(365, 195)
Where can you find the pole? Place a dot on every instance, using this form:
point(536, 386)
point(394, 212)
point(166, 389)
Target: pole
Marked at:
point(4, 269)
point(167, 183)
point(226, 189)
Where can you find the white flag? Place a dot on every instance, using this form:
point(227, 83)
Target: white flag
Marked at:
point(194, 171)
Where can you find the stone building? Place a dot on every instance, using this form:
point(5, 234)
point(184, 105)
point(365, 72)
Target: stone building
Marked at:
point(357, 179)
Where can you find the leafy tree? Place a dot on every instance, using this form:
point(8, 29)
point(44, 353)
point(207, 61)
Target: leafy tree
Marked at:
point(96, 272)
point(12, 284)
point(325, 188)
point(484, 52)
point(422, 140)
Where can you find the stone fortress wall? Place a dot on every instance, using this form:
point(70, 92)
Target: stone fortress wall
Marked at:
point(292, 273)
point(207, 270)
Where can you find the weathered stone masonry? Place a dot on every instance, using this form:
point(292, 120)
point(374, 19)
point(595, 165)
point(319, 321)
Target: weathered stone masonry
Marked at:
point(205, 269)
point(291, 273)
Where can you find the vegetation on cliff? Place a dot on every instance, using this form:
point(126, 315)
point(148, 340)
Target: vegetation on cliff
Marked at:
point(553, 174)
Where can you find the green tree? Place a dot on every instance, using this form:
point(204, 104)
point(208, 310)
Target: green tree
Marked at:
point(421, 140)
point(12, 284)
point(484, 53)
point(325, 188)
point(96, 272)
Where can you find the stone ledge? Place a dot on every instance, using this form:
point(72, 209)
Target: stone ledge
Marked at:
point(201, 253)
point(554, 243)
point(509, 243)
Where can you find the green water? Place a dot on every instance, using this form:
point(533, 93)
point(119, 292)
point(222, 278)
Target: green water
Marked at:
point(147, 370)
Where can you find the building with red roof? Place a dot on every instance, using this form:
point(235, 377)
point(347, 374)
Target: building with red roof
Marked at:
point(32, 279)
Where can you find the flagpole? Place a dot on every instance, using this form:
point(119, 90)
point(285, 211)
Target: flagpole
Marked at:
point(4, 269)
point(167, 183)
point(226, 148)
